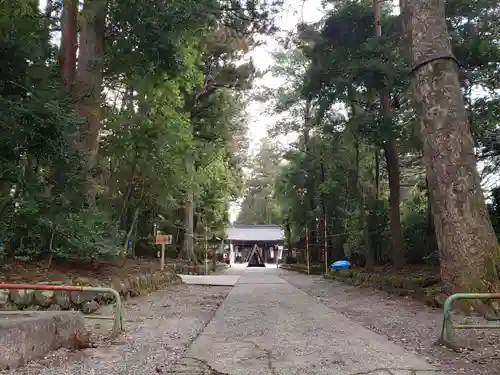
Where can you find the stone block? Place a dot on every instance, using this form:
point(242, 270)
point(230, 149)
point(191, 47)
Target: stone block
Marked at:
point(44, 298)
point(22, 297)
point(90, 307)
point(78, 298)
point(4, 297)
point(62, 299)
point(143, 281)
point(25, 336)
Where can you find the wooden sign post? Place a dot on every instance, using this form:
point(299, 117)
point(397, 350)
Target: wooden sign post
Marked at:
point(163, 240)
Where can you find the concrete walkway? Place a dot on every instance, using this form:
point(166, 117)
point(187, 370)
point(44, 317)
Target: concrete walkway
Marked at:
point(268, 327)
point(210, 280)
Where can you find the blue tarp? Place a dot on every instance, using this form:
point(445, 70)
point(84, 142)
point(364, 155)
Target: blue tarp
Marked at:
point(340, 265)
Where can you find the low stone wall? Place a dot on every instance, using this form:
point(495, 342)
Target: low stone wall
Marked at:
point(86, 302)
point(427, 289)
point(184, 269)
point(424, 288)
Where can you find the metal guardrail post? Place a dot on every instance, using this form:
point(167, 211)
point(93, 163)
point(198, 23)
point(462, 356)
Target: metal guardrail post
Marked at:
point(117, 318)
point(448, 325)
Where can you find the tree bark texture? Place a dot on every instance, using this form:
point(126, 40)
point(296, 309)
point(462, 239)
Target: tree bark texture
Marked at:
point(188, 243)
point(359, 193)
point(307, 124)
point(432, 247)
point(88, 80)
point(69, 43)
point(392, 160)
point(397, 242)
point(209, 88)
point(468, 247)
point(288, 236)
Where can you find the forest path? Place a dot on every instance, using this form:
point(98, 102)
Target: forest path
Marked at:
point(267, 326)
point(271, 322)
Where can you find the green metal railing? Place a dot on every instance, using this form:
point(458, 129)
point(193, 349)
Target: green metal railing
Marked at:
point(117, 318)
point(447, 331)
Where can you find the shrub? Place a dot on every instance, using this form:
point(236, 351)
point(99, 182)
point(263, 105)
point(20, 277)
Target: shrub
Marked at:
point(85, 235)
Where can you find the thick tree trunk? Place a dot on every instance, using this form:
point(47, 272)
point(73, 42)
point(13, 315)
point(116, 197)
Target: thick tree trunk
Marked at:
point(377, 173)
point(88, 81)
point(196, 220)
point(288, 236)
point(468, 247)
point(188, 244)
point(209, 88)
point(69, 43)
point(397, 242)
point(307, 124)
point(214, 260)
point(432, 247)
point(392, 160)
point(360, 195)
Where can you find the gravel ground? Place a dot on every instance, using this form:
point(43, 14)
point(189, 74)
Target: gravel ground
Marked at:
point(406, 322)
point(159, 328)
